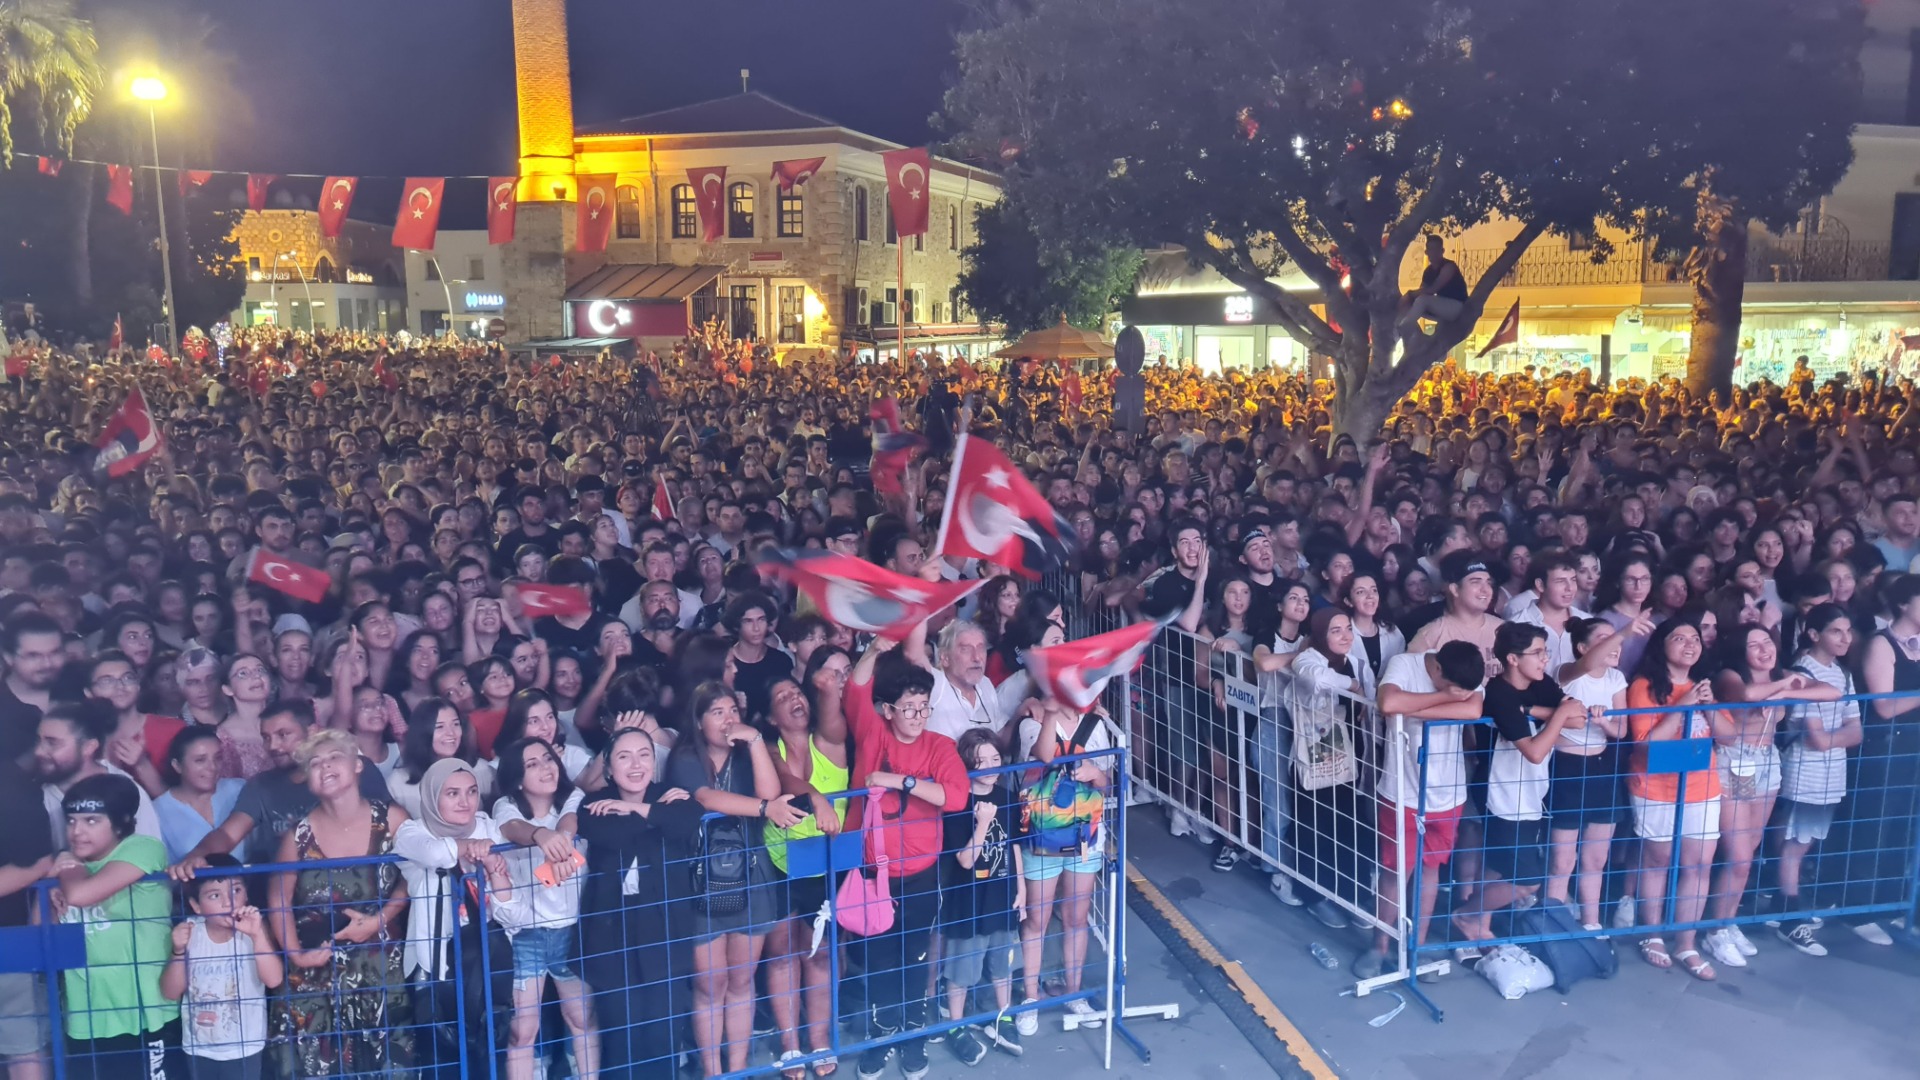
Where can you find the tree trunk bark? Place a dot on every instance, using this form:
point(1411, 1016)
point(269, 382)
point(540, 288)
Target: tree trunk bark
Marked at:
point(80, 224)
point(1361, 401)
point(1717, 270)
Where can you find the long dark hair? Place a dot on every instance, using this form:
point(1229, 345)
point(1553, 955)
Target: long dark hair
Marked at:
point(398, 679)
point(416, 746)
point(514, 727)
point(1653, 662)
point(692, 741)
point(512, 774)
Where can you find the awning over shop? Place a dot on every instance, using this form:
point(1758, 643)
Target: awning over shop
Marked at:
point(644, 281)
point(925, 336)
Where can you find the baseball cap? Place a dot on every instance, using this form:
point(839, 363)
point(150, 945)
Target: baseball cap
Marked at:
point(290, 622)
point(842, 527)
point(1461, 565)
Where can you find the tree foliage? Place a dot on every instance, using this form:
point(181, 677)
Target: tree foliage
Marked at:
point(49, 72)
point(1014, 277)
point(1269, 136)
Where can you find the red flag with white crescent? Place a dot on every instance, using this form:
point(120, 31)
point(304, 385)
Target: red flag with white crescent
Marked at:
point(297, 580)
point(336, 196)
point(502, 208)
point(710, 197)
point(993, 512)
point(193, 178)
point(893, 446)
point(907, 193)
point(257, 185)
point(118, 338)
point(1507, 334)
point(793, 174)
point(542, 600)
point(419, 219)
point(858, 595)
point(1076, 672)
point(662, 502)
point(120, 188)
point(130, 437)
point(50, 166)
point(594, 223)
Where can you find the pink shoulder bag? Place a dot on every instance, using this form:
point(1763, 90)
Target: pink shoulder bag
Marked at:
point(863, 905)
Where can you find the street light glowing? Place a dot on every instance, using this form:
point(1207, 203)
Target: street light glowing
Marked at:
point(148, 88)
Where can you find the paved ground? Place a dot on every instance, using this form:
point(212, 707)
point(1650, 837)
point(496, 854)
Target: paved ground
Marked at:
point(1850, 1014)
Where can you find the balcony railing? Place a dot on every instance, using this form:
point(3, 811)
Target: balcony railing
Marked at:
point(1769, 258)
point(740, 316)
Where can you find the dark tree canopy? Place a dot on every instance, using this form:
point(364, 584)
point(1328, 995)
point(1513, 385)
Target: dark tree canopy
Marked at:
point(1014, 277)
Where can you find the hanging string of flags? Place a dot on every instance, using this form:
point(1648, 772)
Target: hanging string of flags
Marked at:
point(418, 219)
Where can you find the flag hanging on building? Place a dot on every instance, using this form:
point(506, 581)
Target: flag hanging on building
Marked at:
point(793, 174)
point(594, 222)
point(129, 439)
point(502, 208)
point(286, 576)
point(858, 595)
point(192, 178)
point(257, 185)
point(336, 197)
point(50, 166)
point(419, 219)
point(907, 189)
point(1076, 672)
point(710, 197)
point(120, 188)
point(994, 513)
point(1507, 334)
point(893, 446)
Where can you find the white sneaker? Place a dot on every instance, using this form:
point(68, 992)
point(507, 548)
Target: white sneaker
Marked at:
point(1740, 941)
point(1281, 886)
point(1623, 914)
point(1027, 1020)
point(1179, 824)
point(1720, 944)
point(1082, 1008)
point(1873, 934)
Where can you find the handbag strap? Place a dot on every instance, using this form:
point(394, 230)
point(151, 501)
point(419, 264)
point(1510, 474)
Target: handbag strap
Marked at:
point(871, 819)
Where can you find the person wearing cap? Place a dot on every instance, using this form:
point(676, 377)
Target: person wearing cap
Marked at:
point(1469, 585)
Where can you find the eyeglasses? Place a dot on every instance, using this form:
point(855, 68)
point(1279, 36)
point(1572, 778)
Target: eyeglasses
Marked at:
point(913, 711)
point(108, 682)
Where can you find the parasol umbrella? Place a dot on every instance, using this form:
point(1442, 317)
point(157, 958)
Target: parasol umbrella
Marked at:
point(1057, 343)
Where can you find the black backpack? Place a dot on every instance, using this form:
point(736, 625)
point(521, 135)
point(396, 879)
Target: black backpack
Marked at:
point(473, 974)
point(1572, 951)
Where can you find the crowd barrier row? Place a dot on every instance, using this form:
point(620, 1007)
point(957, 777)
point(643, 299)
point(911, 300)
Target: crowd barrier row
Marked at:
point(679, 939)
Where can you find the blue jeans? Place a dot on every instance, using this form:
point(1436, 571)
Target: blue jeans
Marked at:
point(1273, 762)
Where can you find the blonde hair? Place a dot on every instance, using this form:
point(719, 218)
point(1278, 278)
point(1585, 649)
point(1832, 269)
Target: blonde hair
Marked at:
point(322, 741)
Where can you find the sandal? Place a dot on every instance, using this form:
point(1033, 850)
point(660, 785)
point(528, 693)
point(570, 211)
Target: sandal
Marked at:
point(796, 1072)
point(1654, 950)
point(826, 1066)
point(1701, 970)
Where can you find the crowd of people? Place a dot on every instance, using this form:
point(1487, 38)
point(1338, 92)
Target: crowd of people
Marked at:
point(633, 790)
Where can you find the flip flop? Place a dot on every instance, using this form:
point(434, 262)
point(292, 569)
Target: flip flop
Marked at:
point(1702, 970)
point(1654, 950)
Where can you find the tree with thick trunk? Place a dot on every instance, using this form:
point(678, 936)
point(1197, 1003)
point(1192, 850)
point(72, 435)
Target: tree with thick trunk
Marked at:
point(1717, 270)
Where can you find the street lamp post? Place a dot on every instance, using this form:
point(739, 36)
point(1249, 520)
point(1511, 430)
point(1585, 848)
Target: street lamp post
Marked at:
point(444, 287)
point(151, 90)
point(294, 257)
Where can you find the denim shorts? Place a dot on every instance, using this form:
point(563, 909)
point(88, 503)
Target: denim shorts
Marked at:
point(545, 950)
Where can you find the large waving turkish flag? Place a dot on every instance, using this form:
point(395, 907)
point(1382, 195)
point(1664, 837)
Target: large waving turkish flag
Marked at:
point(595, 220)
point(336, 196)
point(907, 191)
point(419, 219)
point(710, 195)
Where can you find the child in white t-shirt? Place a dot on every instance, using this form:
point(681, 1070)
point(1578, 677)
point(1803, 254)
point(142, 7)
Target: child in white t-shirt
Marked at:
point(224, 961)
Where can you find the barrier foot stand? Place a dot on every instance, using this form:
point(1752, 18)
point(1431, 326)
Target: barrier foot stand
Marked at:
point(1170, 1011)
point(1442, 966)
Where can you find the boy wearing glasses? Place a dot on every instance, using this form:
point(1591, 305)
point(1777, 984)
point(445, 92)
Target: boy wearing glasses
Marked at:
point(1528, 711)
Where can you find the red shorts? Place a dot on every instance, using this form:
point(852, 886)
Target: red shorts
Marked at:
point(1437, 846)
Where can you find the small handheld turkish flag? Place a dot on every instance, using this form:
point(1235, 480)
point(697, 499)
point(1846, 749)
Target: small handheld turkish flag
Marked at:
point(335, 198)
point(994, 513)
point(662, 503)
point(793, 174)
point(257, 185)
point(502, 208)
point(284, 575)
point(710, 198)
point(1075, 672)
point(858, 595)
point(130, 437)
point(1507, 334)
point(893, 446)
point(595, 213)
point(119, 338)
point(541, 600)
point(419, 219)
point(907, 189)
point(120, 188)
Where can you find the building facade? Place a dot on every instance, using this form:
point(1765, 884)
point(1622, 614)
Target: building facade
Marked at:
point(299, 279)
point(460, 285)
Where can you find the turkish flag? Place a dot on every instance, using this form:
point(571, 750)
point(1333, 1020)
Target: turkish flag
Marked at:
point(257, 185)
point(130, 437)
point(193, 178)
point(1507, 333)
point(662, 502)
point(907, 190)
point(502, 208)
point(120, 188)
point(893, 446)
point(538, 600)
point(336, 195)
point(710, 196)
point(994, 513)
point(793, 174)
point(297, 580)
point(50, 166)
point(119, 337)
point(858, 595)
point(386, 378)
point(419, 218)
point(16, 366)
point(594, 214)
point(1910, 341)
point(1070, 386)
point(1075, 672)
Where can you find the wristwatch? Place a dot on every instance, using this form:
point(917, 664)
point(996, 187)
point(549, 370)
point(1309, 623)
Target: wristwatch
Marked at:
point(907, 783)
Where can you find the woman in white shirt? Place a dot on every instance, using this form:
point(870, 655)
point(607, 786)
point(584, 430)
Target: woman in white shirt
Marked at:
point(1330, 678)
point(1813, 767)
point(531, 715)
point(435, 732)
point(1584, 799)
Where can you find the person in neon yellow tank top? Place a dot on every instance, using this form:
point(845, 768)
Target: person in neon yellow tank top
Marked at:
point(811, 753)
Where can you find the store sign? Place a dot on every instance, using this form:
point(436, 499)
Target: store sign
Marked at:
point(626, 319)
point(359, 277)
point(487, 300)
point(1239, 309)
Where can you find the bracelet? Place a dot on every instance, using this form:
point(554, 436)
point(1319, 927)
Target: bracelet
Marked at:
point(763, 808)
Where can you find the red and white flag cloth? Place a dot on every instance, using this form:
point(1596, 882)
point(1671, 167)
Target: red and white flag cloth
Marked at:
point(502, 208)
point(994, 513)
point(336, 197)
point(119, 338)
point(858, 595)
point(542, 600)
point(257, 185)
point(907, 192)
point(298, 580)
point(662, 502)
point(130, 437)
point(193, 178)
point(120, 188)
point(419, 220)
point(1507, 333)
point(594, 220)
point(50, 166)
point(1076, 672)
point(710, 198)
point(893, 447)
point(793, 174)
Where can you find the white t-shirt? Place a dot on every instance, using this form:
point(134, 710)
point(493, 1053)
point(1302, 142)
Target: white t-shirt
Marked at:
point(1559, 642)
point(574, 759)
point(953, 715)
point(1446, 760)
point(1595, 692)
point(223, 1014)
point(1817, 777)
point(406, 793)
point(557, 905)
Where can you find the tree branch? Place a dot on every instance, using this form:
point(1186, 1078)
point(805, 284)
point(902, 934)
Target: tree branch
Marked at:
point(1500, 267)
point(1439, 186)
point(1295, 316)
point(1319, 271)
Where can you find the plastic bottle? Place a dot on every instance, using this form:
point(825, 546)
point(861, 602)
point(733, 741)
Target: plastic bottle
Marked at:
point(1327, 959)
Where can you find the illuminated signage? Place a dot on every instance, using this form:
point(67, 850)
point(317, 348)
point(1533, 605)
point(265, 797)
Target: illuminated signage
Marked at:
point(608, 318)
point(485, 300)
point(359, 277)
point(1239, 309)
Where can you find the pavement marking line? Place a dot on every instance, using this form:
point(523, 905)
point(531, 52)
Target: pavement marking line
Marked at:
point(1249, 990)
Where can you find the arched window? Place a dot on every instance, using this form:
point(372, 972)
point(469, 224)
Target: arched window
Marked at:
point(860, 228)
point(626, 204)
point(740, 211)
point(686, 213)
point(793, 214)
point(323, 270)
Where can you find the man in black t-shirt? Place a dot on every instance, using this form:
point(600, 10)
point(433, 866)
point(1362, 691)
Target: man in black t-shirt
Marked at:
point(531, 502)
point(33, 652)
